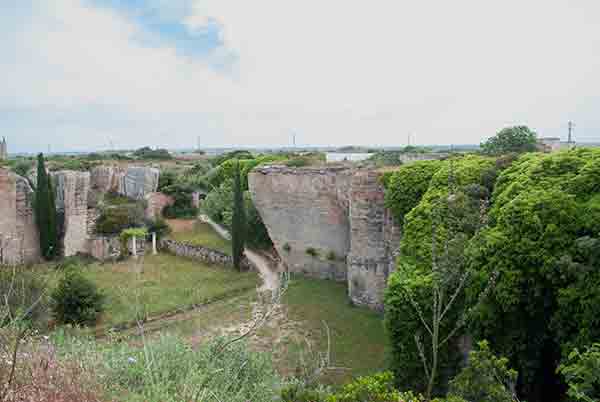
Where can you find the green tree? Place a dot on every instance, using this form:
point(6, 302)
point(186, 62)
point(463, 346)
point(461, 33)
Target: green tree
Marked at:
point(582, 373)
point(238, 223)
point(515, 139)
point(486, 378)
point(45, 211)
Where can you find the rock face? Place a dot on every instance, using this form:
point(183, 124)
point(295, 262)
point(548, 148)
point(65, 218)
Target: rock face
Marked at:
point(329, 223)
point(72, 200)
point(19, 242)
point(135, 182)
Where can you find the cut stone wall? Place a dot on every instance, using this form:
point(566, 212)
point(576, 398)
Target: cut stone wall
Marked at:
point(19, 242)
point(135, 182)
point(337, 211)
point(72, 198)
point(306, 209)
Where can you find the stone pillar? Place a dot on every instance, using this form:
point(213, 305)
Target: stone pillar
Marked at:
point(134, 247)
point(72, 197)
point(154, 252)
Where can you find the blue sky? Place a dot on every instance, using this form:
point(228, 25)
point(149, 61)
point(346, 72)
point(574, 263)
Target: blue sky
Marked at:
point(80, 74)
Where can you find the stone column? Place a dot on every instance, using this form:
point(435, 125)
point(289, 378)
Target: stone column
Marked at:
point(154, 252)
point(134, 247)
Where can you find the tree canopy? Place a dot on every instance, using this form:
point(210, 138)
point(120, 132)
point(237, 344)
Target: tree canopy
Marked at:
point(517, 139)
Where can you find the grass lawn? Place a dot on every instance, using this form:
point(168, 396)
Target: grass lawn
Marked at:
point(163, 284)
point(202, 234)
point(358, 340)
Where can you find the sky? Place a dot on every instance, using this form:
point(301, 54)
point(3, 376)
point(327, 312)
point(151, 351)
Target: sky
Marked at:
point(84, 74)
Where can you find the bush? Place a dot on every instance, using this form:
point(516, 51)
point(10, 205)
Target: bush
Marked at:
point(511, 139)
point(76, 300)
point(375, 388)
point(114, 219)
point(149, 153)
point(486, 378)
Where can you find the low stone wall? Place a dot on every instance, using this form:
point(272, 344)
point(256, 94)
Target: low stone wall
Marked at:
point(200, 253)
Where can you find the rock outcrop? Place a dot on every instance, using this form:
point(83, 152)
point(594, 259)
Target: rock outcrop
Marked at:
point(19, 242)
point(329, 223)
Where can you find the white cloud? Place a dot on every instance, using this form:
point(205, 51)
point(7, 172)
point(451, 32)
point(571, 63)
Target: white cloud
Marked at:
point(336, 72)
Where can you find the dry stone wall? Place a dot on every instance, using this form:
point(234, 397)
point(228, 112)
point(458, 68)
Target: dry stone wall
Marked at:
point(19, 243)
point(200, 253)
point(329, 223)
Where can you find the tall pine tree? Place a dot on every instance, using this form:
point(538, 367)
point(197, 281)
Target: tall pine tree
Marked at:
point(238, 223)
point(45, 211)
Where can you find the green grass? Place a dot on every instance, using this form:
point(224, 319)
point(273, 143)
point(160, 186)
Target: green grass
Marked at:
point(358, 340)
point(165, 284)
point(203, 235)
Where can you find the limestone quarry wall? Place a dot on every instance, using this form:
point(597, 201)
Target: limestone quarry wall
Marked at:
point(72, 199)
point(19, 242)
point(304, 210)
point(76, 195)
point(337, 211)
point(135, 182)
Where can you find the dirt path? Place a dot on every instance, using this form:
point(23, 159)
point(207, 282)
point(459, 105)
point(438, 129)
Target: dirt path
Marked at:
point(267, 271)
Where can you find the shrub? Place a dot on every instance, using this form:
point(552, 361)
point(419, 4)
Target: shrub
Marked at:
point(287, 248)
point(331, 256)
point(76, 300)
point(113, 220)
point(313, 252)
point(375, 388)
point(485, 378)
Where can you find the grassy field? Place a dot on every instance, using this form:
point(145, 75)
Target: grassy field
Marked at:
point(163, 284)
point(200, 234)
point(358, 340)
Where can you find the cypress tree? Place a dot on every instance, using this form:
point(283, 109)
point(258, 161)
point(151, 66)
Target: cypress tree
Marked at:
point(45, 211)
point(238, 223)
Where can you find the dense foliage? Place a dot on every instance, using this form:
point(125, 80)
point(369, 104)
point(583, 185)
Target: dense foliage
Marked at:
point(544, 242)
point(486, 378)
point(405, 186)
point(582, 374)
point(76, 300)
point(45, 211)
point(511, 139)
